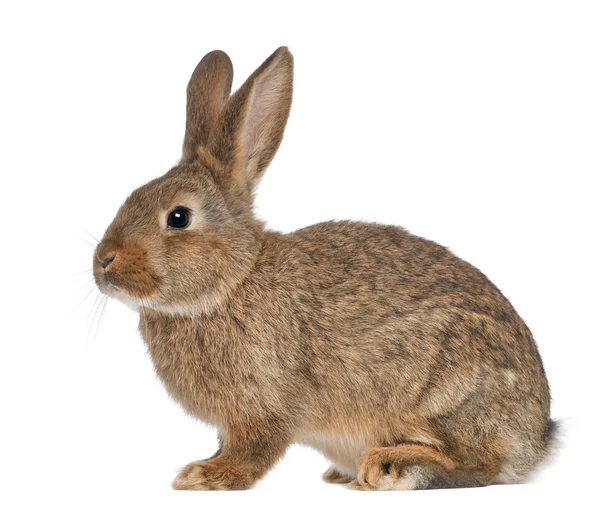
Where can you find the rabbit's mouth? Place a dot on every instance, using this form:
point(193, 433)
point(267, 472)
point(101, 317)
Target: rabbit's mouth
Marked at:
point(116, 293)
point(108, 287)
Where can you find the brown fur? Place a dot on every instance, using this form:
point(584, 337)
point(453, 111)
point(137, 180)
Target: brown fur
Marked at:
point(399, 361)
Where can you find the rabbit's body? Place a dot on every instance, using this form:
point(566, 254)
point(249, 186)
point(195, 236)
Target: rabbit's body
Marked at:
point(364, 336)
point(403, 364)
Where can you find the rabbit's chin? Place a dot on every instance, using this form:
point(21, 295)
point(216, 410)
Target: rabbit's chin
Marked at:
point(204, 306)
point(114, 292)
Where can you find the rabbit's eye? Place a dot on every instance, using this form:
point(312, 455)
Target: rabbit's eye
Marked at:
point(179, 218)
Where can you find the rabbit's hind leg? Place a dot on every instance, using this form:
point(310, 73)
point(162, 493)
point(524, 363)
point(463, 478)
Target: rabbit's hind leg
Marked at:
point(412, 467)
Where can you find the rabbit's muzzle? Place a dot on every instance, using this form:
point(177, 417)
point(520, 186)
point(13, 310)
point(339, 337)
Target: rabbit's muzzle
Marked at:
point(124, 269)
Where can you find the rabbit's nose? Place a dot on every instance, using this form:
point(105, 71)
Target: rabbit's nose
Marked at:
point(106, 261)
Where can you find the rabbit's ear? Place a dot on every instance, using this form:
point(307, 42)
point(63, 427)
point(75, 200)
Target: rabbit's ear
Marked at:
point(207, 92)
point(252, 122)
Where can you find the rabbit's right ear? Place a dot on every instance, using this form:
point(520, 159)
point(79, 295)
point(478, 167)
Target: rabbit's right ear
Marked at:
point(252, 123)
point(208, 90)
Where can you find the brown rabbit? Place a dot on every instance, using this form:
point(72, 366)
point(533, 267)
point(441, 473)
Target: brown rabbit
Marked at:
point(400, 362)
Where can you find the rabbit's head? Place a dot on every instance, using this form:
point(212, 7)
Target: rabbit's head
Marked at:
point(184, 241)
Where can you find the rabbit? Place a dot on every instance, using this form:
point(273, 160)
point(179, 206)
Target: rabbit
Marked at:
point(401, 363)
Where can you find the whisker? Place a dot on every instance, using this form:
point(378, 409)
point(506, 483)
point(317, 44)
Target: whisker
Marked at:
point(94, 304)
point(86, 241)
point(97, 241)
point(105, 302)
point(93, 312)
point(84, 272)
point(84, 299)
point(87, 283)
point(98, 306)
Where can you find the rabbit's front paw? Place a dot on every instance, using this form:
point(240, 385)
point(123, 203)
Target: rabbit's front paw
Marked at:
point(213, 474)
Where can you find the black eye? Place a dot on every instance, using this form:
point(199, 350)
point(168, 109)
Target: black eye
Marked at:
point(179, 217)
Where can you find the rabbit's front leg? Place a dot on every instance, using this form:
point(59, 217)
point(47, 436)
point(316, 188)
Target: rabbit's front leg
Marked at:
point(244, 457)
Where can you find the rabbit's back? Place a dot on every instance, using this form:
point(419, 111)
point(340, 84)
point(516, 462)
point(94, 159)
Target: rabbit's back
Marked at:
point(379, 299)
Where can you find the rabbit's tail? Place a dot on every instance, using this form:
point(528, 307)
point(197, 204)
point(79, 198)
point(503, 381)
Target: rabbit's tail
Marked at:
point(551, 436)
point(552, 439)
point(528, 459)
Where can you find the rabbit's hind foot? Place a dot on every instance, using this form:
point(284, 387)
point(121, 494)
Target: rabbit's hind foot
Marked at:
point(411, 467)
point(332, 475)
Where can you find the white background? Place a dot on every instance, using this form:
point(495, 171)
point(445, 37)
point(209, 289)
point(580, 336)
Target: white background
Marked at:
point(475, 124)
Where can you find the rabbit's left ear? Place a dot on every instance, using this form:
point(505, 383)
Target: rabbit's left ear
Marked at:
point(252, 122)
point(207, 92)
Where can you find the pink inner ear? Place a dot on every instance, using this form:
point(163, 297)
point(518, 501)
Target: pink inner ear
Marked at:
point(264, 113)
